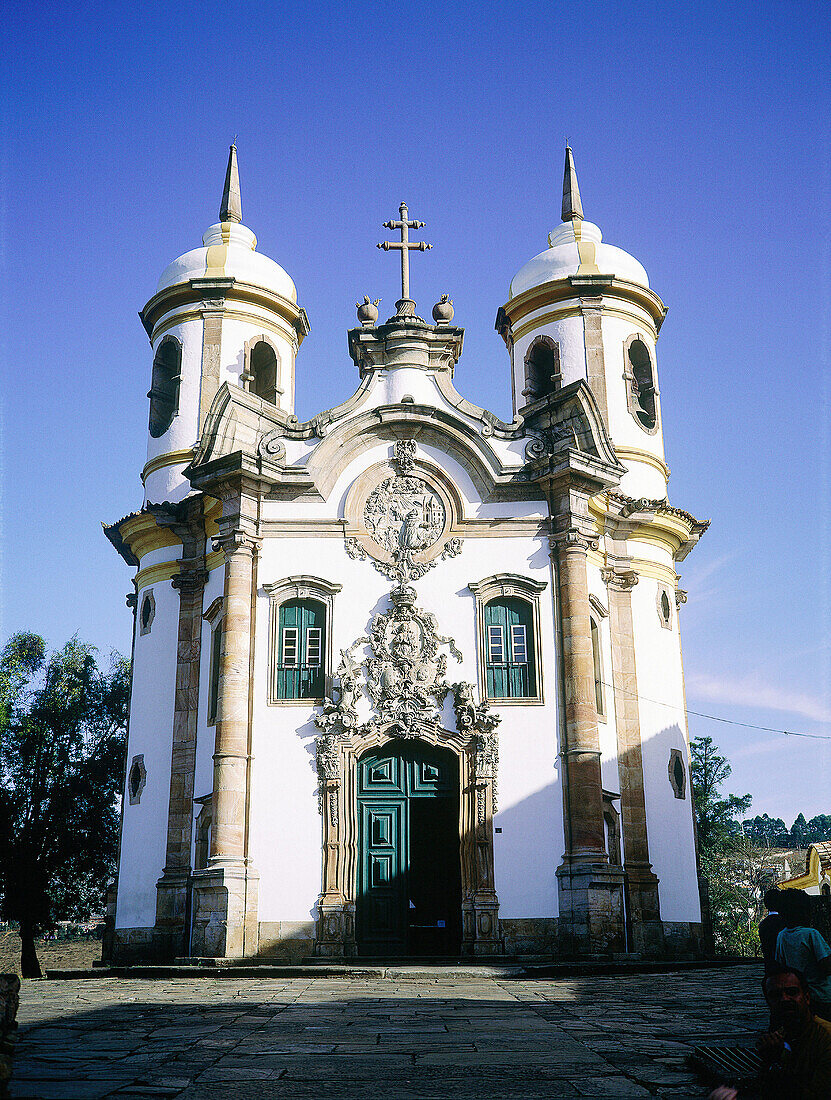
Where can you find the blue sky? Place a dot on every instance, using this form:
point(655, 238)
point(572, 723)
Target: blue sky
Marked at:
point(701, 136)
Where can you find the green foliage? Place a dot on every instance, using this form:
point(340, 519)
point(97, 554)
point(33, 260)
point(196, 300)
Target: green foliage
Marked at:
point(728, 861)
point(716, 816)
point(772, 832)
point(61, 759)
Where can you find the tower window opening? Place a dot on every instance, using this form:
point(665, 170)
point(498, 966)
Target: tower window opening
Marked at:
point(136, 780)
point(147, 612)
point(542, 369)
point(262, 371)
point(642, 383)
point(164, 389)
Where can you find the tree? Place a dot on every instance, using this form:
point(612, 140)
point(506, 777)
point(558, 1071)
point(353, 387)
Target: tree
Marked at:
point(716, 817)
point(819, 828)
point(728, 860)
point(769, 832)
point(62, 728)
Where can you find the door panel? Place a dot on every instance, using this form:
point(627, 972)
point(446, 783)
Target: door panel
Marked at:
point(381, 915)
point(409, 887)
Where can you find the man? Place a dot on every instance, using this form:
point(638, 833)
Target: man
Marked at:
point(772, 925)
point(796, 1052)
point(802, 948)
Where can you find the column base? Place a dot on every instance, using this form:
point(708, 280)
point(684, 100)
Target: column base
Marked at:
point(335, 930)
point(481, 933)
point(224, 924)
point(170, 933)
point(643, 911)
point(591, 908)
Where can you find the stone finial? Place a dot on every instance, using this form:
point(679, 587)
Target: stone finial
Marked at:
point(572, 207)
point(367, 311)
point(231, 208)
point(443, 310)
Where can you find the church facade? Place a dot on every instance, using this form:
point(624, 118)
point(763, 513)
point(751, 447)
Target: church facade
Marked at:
point(407, 678)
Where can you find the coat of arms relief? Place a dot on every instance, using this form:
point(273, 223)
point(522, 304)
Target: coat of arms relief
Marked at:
point(404, 516)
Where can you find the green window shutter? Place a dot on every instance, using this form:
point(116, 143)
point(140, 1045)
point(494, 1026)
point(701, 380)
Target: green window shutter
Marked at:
point(509, 662)
point(301, 636)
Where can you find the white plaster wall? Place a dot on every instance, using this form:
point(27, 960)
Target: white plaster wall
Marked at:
point(237, 332)
point(184, 429)
point(285, 825)
point(663, 728)
point(144, 835)
point(569, 334)
point(203, 782)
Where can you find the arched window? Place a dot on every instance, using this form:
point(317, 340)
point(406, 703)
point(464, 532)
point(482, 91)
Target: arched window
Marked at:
point(262, 368)
point(147, 612)
point(641, 383)
point(300, 640)
point(509, 649)
point(164, 389)
point(508, 616)
point(599, 694)
point(542, 369)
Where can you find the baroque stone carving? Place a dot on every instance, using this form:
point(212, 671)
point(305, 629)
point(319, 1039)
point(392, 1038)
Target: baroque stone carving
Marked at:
point(622, 579)
point(478, 720)
point(404, 513)
point(405, 673)
point(554, 439)
point(452, 548)
point(354, 548)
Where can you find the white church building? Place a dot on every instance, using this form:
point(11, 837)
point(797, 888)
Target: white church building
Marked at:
point(407, 678)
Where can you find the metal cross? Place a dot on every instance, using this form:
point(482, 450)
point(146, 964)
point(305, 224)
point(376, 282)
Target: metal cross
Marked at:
point(405, 245)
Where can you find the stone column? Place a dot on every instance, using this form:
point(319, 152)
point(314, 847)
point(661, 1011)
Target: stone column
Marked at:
point(225, 894)
point(172, 890)
point(642, 903)
point(591, 895)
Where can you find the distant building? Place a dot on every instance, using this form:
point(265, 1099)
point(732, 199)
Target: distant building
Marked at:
point(816, 877)
point(407, 678)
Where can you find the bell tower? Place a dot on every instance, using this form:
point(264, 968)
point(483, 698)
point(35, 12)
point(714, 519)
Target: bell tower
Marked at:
point(222, 314)
point(584, 309)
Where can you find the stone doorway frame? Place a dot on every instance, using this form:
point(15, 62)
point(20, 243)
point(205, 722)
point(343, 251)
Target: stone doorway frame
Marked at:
point(335, 928)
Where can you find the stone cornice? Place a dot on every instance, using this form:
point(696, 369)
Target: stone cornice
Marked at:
point(405, 344)
point(580, 286)
point(218, 291)
point(137, 534)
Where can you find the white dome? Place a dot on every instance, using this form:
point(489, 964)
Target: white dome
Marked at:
point(229, 251)
point(566, 255)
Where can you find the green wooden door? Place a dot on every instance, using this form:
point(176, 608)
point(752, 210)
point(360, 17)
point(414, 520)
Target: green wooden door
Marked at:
point(409, 876)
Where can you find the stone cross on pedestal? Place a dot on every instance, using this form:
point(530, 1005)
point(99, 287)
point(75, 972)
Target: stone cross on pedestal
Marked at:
point(406, 306)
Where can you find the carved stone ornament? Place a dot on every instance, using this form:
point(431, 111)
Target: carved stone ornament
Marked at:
point(622, 579)
point(404, 673)
point(452, 548)
point(404, 513)
point(479, 721)
point(559, 437)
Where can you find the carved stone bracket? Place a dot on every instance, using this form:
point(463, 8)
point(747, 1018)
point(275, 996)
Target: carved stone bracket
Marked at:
point(624, 580)
point(680, 597)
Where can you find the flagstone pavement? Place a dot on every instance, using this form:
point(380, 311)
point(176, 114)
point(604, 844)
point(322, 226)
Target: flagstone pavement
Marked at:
point(403, 1037)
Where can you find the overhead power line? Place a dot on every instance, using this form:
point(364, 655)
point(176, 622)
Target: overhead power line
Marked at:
point(718, 718)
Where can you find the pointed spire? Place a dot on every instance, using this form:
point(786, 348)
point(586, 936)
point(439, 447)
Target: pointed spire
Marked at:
point(572, 207)
point(231, 208)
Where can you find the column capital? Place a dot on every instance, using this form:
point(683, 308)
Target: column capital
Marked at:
point(236, 541)
point(573, 538)
point(624, 580)
point(190, 581)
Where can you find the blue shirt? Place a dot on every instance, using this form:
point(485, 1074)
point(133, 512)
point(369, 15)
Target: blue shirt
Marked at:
point(803, 949)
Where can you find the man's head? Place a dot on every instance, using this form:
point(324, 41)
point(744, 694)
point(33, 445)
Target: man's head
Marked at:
point(772, 900)
point(788, 998)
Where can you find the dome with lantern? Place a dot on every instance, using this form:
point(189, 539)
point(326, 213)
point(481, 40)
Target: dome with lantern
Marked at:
point(229, 249)
point(576, 248)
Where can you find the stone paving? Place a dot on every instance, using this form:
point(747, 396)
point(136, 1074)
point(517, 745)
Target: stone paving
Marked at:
point(432, 1037)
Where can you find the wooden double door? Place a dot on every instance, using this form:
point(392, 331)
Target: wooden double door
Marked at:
point(409, 871)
